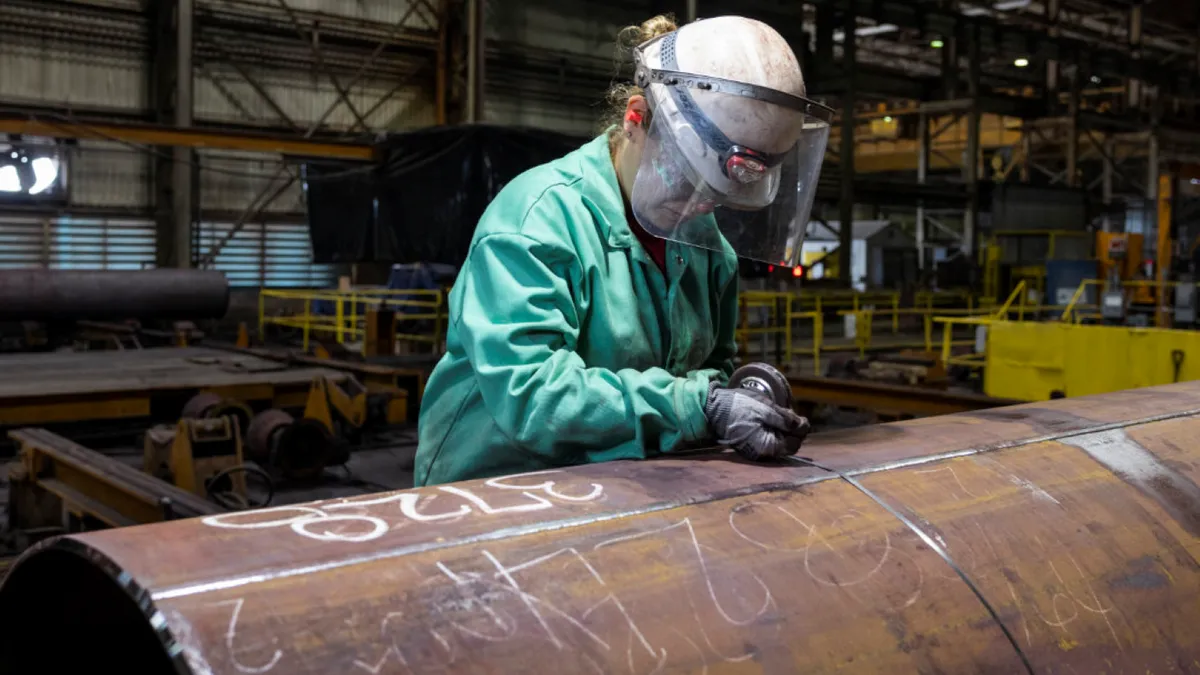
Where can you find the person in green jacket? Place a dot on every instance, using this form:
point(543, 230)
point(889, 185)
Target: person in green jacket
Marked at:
point(594, 316)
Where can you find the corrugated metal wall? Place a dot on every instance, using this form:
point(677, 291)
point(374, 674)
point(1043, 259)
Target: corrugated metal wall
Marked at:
point(550, 62)
point(64, 242)
point(571, 50)
point(382, 11)
point(94, 56)
point(56, 73)
point(40, 62)
point(104, 174)
point(231, 181)
point(222, 95)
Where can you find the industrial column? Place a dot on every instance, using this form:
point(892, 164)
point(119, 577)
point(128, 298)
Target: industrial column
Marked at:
point(922, 176)
point(1134, 90)
point(1052, 70)
point(846, 207)
point(476, 57)
point(1073, 101)
point(1110, 156)
point(175, 174)
point(971, 221)
point(1166, 189)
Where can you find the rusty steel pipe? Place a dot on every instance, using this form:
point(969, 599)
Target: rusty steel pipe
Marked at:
point(1077, 520)
point(69, 295)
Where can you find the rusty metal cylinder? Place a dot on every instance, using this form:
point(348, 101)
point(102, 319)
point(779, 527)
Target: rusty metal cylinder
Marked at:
point(1075, 525)
point(69, 295)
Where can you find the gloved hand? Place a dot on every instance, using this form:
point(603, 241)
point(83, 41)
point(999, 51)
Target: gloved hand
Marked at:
point(752, 425)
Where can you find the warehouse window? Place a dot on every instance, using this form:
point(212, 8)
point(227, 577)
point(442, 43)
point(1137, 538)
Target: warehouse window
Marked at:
point(76, 243)
point(272, 255)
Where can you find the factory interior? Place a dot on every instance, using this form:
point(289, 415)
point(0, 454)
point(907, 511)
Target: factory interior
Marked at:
point(240, 266)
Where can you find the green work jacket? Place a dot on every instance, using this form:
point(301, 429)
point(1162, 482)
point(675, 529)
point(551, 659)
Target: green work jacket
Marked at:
point(567, 344)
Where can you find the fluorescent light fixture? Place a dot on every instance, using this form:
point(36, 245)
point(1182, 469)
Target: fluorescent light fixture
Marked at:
point(1007, 6)
point(937, 44)
point(45, 171)
point(9, 180)
point(867, 31)
point(1021, 62)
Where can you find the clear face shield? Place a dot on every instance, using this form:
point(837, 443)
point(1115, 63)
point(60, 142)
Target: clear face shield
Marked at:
point(753, 192)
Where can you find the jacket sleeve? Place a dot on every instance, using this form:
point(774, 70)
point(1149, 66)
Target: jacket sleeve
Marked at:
point(519, 328)
point(722, 355)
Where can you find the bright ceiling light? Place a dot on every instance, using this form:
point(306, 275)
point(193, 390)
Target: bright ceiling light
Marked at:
point(888, 119)
point(1021, 62)
point(45, 171)
point(9, 180)
point(937, 44)
point(1095, 79)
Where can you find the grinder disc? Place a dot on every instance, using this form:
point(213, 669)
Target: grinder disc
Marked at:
point(765, 379)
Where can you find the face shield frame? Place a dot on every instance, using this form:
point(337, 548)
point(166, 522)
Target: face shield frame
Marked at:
point(739, 178)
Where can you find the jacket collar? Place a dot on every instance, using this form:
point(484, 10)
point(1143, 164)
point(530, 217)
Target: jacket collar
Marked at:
point(605, 191)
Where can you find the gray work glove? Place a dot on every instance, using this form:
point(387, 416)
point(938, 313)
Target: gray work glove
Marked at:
point(751, 424)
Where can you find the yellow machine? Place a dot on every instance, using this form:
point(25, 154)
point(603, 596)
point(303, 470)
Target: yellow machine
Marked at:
point(1029, 360)
point(60, 485)
point(334, 417)
point(335, 406)
point(202, 456)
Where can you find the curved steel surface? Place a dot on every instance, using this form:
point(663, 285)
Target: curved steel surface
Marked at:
point(1078, 521)
point(69, 295)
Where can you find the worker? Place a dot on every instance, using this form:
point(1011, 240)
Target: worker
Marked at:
point(594, 316)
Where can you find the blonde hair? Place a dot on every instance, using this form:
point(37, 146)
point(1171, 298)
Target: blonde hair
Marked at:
point(619, 93)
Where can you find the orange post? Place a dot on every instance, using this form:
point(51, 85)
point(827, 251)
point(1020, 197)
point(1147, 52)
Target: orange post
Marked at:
point(1163, 251)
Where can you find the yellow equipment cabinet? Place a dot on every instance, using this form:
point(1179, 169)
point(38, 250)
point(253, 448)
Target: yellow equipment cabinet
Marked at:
point(1029, 361)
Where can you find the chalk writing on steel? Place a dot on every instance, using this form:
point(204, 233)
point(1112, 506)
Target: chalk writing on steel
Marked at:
point(361, 519)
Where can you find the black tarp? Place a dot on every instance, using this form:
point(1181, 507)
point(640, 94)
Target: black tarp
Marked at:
point(423, 200)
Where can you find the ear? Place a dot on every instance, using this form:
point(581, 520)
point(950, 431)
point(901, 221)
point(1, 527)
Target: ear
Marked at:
point(637, 114)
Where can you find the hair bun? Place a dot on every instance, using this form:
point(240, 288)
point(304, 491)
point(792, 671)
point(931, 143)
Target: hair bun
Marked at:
point(619, 93)
point(632, 36)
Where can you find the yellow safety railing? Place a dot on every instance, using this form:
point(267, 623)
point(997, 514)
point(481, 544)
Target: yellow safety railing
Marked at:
point(1146, 291)
point(1071, 306)
point(1014, 305)
point(818, 321)
point(778, 311)
point(346, 322)
point(771, 304)
point(930, 299)
point(949, 323)
point(865, 320)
